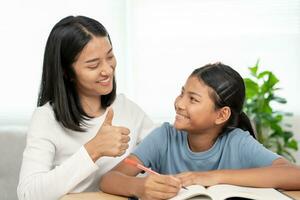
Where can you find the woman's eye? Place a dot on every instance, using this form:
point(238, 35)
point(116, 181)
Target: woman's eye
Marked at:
point(110, 57)
point(93, 67)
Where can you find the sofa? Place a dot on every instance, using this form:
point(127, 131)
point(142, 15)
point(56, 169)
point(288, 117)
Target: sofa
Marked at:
point(12, 144)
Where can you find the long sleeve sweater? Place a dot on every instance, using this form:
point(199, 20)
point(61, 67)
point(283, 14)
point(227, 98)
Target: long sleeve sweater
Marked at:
point(55, 161)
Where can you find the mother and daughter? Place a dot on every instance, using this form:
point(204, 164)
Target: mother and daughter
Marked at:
point(81, 129)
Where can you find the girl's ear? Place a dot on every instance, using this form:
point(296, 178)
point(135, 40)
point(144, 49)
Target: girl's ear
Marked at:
point(223, 115)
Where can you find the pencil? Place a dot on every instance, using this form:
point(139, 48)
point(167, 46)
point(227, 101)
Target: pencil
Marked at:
point(142, 167)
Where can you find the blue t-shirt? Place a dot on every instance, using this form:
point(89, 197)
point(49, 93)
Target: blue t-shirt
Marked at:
point(166, 151)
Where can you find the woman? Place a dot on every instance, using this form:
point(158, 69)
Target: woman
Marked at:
point(81, 128)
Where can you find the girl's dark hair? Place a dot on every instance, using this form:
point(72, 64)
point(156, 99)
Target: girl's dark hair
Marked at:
point(228, 90)
point(65, 42)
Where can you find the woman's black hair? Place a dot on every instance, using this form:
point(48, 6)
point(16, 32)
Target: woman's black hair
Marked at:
point(65, 42)
point(228, 90)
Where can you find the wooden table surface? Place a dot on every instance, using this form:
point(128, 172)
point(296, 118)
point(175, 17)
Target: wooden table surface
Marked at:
point(92, 196)
point(103, 196)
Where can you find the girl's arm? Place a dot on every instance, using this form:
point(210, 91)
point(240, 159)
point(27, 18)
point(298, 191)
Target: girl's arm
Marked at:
point(281, 174)
point(122, 180)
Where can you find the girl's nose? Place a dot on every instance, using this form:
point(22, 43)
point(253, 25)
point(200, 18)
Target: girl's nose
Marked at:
point(179, 103)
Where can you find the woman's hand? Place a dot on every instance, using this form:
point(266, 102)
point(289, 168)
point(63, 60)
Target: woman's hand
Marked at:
point(160, 187)
point(207, 178)
point(109, 141)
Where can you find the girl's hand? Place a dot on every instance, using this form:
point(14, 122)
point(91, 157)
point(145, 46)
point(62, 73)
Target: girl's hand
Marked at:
point(160, 187)
point(109, 141)
point(207, 178)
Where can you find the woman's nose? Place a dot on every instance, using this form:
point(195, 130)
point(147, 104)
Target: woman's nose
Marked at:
point(106, 69)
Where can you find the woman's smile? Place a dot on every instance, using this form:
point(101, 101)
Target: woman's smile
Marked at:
point(105, 82)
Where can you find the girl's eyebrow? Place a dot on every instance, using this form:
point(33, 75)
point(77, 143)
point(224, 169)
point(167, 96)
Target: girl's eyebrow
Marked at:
point(195, 93)
point(191, 93)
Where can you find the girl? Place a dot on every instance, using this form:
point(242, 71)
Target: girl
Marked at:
point(73, 138)
point(211, 142)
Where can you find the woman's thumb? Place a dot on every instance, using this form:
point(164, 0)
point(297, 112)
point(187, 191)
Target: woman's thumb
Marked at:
point(109, 117)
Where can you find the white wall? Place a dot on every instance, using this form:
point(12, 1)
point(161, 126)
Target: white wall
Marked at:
point(157, 44)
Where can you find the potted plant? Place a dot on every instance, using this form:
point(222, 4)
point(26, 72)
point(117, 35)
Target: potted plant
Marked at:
point(268, 122)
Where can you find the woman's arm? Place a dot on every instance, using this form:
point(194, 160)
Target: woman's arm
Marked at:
point(42, 178)
point(122, 180)
point(39, 179)
point(281, 174)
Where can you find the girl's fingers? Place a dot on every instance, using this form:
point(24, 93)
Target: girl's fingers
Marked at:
point(168, 181)
point(161, 194)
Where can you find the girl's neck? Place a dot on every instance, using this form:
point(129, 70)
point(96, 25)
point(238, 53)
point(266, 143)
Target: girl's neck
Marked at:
point(92, 106)
point(199, 142)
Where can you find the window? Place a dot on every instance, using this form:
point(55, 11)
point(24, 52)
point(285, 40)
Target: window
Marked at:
point(171, 38)
point(157, 45)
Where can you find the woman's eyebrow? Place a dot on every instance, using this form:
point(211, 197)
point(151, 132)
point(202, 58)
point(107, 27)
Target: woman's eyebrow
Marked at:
point(96, 59)
point(92, 60)
point(109, 51)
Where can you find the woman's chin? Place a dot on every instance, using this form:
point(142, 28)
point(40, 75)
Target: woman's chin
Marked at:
point(105, 92)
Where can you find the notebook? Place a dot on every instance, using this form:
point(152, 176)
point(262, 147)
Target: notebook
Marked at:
point(229, 192)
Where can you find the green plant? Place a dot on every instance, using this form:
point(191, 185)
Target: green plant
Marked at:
point(268, 123)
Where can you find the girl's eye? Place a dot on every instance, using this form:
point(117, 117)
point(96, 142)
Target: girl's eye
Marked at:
point(193, 99)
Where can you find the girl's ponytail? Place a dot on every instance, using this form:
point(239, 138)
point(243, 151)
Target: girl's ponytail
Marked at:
point(245, 124)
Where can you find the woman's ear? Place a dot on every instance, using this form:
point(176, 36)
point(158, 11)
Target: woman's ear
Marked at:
point(223, 115)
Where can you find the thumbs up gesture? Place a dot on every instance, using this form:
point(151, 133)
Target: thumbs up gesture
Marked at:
point(110, 140)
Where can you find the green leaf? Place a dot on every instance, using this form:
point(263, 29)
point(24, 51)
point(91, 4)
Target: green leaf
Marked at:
point(251, 88)
point(266, 108)
point(293, 144)
point(273, 80)
point(266, 88)
point(262, 74)
point(277, 118)
point(277, 128)
point(279, 99)
point(288, 155)
point(254, 69)
point(287, 135)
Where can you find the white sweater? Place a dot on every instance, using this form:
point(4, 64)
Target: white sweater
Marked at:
point(55, 161)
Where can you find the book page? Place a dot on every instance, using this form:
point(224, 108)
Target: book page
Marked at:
point(193, 190)
point(223, 191)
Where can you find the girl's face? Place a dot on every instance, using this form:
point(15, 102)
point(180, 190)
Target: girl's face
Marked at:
point(195, 110)
point(94, 68)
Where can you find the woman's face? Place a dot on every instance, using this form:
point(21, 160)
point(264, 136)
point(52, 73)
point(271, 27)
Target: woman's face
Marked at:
point(94, 68)
point(195, 110)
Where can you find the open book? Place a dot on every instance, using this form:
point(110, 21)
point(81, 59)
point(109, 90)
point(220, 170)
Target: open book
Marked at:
point(223, 191)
